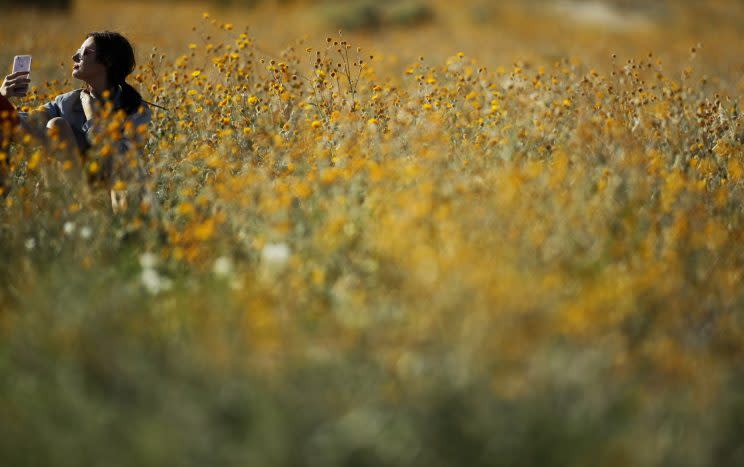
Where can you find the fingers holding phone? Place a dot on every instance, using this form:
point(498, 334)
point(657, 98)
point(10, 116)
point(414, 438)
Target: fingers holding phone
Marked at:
point(16, 84)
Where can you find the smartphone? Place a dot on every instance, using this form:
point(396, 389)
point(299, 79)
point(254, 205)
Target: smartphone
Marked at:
point(22, 63)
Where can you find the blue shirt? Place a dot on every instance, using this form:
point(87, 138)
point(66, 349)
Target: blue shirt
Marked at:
point(70, 107)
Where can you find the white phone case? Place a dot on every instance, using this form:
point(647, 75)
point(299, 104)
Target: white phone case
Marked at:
point(22, 63)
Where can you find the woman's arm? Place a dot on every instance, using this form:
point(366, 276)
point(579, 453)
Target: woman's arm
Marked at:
point(35, 122)
point(15, 85)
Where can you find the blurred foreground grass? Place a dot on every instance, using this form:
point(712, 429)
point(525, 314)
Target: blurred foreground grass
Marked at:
point(481, 241)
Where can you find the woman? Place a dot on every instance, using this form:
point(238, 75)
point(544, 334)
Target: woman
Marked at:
point(103, 62)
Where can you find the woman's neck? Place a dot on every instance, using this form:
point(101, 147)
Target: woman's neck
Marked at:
point(97, 87)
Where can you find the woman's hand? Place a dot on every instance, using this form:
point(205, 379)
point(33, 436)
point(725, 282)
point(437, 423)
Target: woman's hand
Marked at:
point(89, 104)
point(15, 85)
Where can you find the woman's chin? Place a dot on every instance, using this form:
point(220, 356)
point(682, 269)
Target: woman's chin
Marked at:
point(76, 74)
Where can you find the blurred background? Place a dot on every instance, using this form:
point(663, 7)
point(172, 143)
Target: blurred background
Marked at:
point(493, 32)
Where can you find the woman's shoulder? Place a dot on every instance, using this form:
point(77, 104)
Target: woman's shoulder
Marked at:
point(75, 93)
point(63, 104)
point(67, 97)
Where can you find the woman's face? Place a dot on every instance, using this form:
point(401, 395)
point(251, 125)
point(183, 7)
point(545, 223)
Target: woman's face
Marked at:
point(85, 63)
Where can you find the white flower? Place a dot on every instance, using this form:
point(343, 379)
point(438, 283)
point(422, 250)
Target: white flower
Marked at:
point(154, 282)
point(148, 260)
point(275, 254)
point(68, 228)
point(223, 267)
point(86, 232)
point(30, 244)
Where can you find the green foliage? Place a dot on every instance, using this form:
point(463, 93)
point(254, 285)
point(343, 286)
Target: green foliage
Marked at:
point(371, 15)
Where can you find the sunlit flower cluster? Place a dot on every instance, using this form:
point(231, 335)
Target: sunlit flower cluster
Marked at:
point(548, 190)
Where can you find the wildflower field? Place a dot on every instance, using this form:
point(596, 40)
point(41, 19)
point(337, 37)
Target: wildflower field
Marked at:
point(508, 233)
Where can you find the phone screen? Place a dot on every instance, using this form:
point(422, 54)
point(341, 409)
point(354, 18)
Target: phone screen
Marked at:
point(22, 63)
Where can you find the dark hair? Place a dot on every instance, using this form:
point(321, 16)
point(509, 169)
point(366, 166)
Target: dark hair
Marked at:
point(116, 54)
